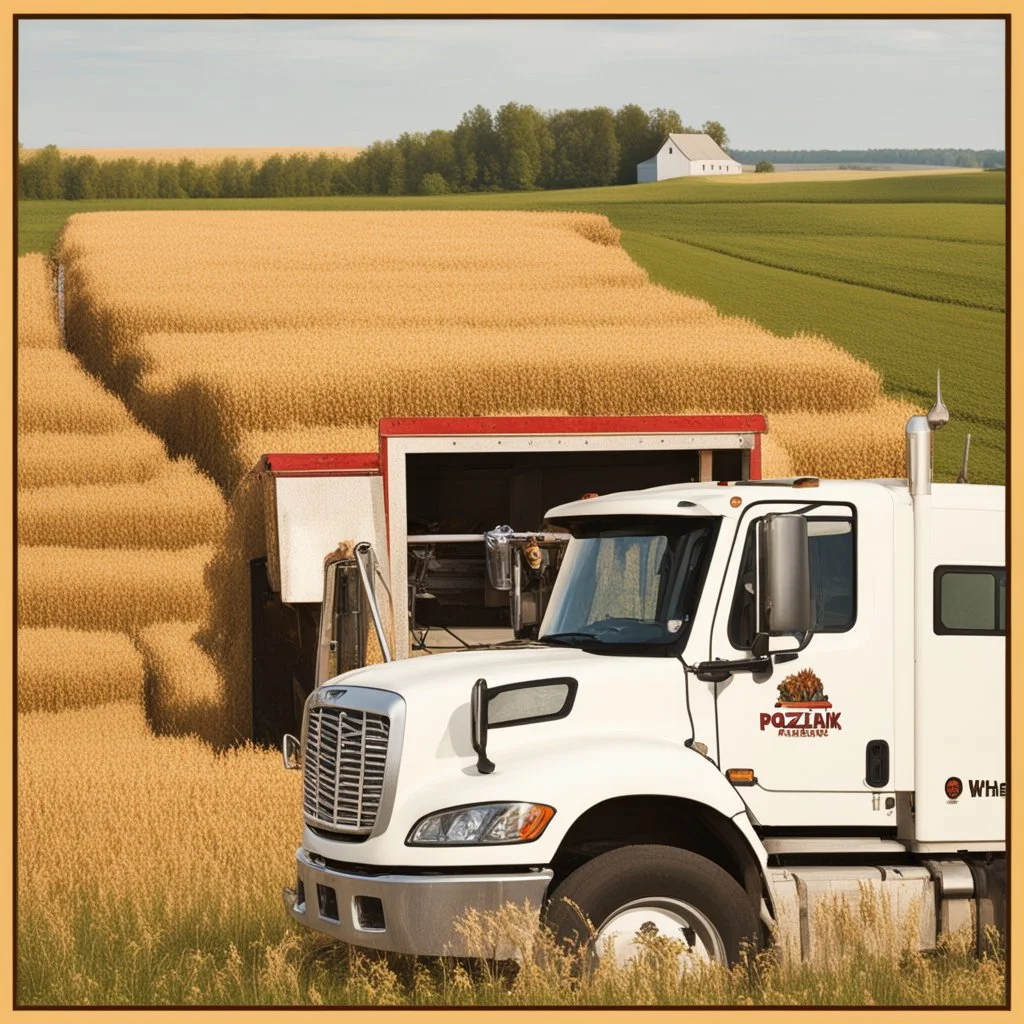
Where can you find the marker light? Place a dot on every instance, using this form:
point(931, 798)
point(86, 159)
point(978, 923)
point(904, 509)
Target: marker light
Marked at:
point(482, 824)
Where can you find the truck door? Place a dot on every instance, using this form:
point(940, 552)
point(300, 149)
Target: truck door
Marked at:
point(818, 729)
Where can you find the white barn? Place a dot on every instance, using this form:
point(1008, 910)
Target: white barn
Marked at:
point(684, 155)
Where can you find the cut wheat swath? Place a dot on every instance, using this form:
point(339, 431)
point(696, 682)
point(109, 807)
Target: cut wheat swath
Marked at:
point(37, 303)
point(185, 694)
point(127, 456)
point(109, 589)
point(180, 508)
point(60, 669)
point(56, 396)
point(867, 444)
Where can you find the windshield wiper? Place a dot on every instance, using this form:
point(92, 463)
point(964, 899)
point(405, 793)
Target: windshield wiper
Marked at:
point(566, 639)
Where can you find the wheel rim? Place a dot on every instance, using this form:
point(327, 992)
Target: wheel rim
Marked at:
point(662, 916)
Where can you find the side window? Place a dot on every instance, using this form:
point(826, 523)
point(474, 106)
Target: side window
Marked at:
point(833, 559)
point(970, 600)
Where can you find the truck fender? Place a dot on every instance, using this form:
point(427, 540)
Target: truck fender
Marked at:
point(615, 768)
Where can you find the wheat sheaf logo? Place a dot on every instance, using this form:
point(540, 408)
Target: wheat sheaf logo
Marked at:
point(803, 689)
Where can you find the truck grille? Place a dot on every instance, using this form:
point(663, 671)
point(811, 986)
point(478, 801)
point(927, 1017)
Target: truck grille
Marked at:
point(343, 767)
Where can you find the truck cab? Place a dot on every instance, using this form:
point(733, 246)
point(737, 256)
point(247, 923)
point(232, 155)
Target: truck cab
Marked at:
point(743, 697)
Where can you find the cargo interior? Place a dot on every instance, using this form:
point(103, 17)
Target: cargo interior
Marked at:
point(474, 492)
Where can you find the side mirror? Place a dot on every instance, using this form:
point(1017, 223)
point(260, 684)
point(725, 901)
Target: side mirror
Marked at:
point(784, 579)
point(478, 725)
point(291, 751)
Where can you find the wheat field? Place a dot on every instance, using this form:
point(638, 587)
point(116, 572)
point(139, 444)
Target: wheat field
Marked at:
point(55, 459)
point(838, 175)
point(133, 588)
point(184, 906)
point(202, 154)
point(191, 337)
point(37, 303)
point(467, 298)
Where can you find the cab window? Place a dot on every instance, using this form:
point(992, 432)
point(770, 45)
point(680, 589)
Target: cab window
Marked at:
point(832, 554)
point(970, 600)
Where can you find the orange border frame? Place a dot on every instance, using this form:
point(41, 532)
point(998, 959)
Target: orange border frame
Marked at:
point(469, 8)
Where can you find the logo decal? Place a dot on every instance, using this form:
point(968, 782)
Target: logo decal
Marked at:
point(954, 787)
point(802, 691)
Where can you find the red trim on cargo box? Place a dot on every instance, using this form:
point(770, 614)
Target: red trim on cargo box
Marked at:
point(428, 426)
point(433, 426)
point(754, 472)
point(322, 463)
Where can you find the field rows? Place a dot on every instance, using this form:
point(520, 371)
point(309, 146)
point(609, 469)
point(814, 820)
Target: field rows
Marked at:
point(113, 535)
point(465, 299)
point(902, 337)
point(906, 338)
point(959, 273)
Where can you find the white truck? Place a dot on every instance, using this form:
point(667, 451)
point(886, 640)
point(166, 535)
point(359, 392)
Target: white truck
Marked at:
point(743, 695)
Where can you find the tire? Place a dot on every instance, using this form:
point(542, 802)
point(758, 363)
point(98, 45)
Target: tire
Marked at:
point(685, 896)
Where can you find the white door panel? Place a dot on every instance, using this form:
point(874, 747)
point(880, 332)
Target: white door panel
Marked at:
point(805, 728)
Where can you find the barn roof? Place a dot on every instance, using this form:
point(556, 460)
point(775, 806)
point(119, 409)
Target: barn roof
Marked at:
point(698, 147)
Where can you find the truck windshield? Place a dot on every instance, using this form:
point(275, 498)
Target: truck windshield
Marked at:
point(629, 581)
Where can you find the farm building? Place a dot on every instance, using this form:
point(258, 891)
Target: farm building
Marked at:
point(682, 155)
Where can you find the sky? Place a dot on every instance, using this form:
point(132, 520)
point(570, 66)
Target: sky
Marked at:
point(773, 84)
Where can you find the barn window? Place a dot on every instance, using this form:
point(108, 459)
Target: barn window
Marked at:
point(670, 149)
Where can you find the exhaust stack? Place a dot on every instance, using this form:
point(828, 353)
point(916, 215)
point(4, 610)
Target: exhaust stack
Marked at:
point(919, 443)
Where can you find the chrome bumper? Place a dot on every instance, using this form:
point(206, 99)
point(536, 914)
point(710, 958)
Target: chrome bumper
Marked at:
point(405, 913)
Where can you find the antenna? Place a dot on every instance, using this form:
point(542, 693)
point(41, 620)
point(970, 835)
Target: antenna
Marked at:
point(962, 475)
point(938, 414)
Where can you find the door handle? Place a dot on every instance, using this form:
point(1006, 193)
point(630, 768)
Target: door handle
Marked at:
point(876, 772)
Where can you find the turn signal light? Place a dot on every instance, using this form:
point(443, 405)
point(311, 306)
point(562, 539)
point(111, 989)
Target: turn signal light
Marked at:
point(536, 821)
point(741, 776)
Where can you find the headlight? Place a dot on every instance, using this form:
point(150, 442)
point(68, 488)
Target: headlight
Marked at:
point(482, 823)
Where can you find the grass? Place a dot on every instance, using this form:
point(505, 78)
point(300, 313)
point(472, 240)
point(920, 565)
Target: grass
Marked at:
point(904, 272)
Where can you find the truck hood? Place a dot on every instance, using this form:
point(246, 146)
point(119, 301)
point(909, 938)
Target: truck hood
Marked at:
point(450, 677)
point(618, 695)
point(628, 723)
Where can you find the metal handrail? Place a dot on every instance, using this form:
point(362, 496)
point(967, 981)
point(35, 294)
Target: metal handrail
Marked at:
point(468, 538)
point(363, 549)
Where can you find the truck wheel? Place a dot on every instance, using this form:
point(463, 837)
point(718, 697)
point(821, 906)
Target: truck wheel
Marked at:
point(652, 890)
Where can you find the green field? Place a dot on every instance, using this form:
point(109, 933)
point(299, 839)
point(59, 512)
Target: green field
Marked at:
point(907, 273)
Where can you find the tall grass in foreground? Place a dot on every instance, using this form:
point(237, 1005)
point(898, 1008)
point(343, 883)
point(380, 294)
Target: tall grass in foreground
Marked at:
point(301, 968)
point(150, 872)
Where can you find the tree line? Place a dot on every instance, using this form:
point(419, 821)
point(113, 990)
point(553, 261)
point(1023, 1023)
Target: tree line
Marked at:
point(516, 148)
point(937, 157)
